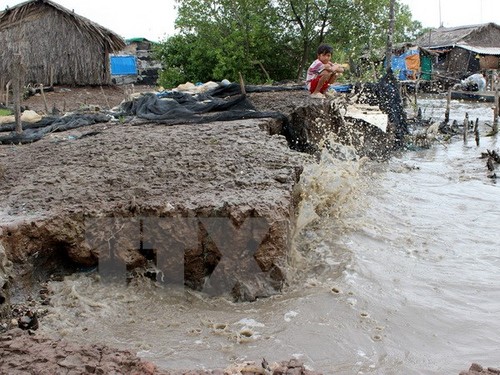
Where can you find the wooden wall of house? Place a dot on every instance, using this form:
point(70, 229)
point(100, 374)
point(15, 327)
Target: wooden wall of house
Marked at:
point(489, 62)
point(460, 63)
point(54, 51)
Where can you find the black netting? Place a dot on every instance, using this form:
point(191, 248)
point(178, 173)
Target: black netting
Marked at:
point(35, 132)
point(224, 103)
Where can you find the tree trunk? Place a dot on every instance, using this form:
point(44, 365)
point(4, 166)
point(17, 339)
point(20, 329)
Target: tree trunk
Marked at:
point(390, 33)
point(303, 62)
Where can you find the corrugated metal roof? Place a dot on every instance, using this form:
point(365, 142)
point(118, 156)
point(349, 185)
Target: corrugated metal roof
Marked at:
point(481, 50)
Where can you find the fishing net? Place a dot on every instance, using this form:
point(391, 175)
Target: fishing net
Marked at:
point(224, 103)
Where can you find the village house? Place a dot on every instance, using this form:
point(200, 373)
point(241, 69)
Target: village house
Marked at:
point(55, 46)
point(410, 62)
point(464, 50)
point(135, 63)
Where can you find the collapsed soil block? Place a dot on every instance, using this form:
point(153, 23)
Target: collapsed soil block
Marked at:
point(206, 206)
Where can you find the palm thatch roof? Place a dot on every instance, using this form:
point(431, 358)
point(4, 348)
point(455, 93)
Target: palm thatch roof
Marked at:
point(31, 9)
point(485, 35)
point(55, 45)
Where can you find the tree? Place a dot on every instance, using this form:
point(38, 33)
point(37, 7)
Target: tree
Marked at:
point(238, 36)
point(273, 39)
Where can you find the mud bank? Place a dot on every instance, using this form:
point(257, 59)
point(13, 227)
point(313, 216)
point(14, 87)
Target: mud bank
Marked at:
point(67, 196)
point(207, 206)
point(27, 352)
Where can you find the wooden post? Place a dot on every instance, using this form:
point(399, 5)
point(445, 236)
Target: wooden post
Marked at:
point(466, 126)
point(447, 112)
point(7, 92)
point(16, 91)
point(44, 99)
point(2, 90)
point(128, 94)
point(242, 85)
point(476, 131)
point(105, 97)
point(415, 107)
point(51, 82)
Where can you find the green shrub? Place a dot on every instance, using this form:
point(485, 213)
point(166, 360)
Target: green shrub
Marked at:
point(5, 112)
point(171, 77)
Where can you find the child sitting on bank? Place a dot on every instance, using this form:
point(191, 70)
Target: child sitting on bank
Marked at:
point(322, 72)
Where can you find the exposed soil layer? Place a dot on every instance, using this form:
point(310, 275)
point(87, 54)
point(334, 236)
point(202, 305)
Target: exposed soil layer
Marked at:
point(24, 353)
point(58, 190)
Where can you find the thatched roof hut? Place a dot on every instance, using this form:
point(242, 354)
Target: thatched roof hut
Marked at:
point(56, 45)
point(464, 49)
point(484, 35)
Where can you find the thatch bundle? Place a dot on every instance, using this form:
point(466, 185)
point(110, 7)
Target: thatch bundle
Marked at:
point(56, 45)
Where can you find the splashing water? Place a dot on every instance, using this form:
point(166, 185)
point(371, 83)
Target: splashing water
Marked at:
point(394, 270)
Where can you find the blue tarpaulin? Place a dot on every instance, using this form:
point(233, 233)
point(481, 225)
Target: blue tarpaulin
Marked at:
point(399, 65)
point(123, 65)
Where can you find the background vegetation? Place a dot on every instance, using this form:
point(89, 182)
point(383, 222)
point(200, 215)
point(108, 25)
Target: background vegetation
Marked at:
point(276, 40)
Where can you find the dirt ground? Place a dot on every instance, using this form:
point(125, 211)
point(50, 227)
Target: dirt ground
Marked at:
point(68, 98)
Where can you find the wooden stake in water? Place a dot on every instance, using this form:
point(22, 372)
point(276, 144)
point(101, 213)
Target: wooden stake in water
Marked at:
point(466, 126)
point(447, 112)
point(476, 131)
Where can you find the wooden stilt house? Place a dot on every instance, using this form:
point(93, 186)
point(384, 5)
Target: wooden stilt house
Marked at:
point(464, 50)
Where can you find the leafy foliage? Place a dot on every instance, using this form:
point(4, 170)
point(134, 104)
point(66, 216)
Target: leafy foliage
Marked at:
point(5, 112)
point(273, 40)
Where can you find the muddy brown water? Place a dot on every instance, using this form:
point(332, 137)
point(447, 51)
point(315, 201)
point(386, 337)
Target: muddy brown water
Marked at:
point(395, 270)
